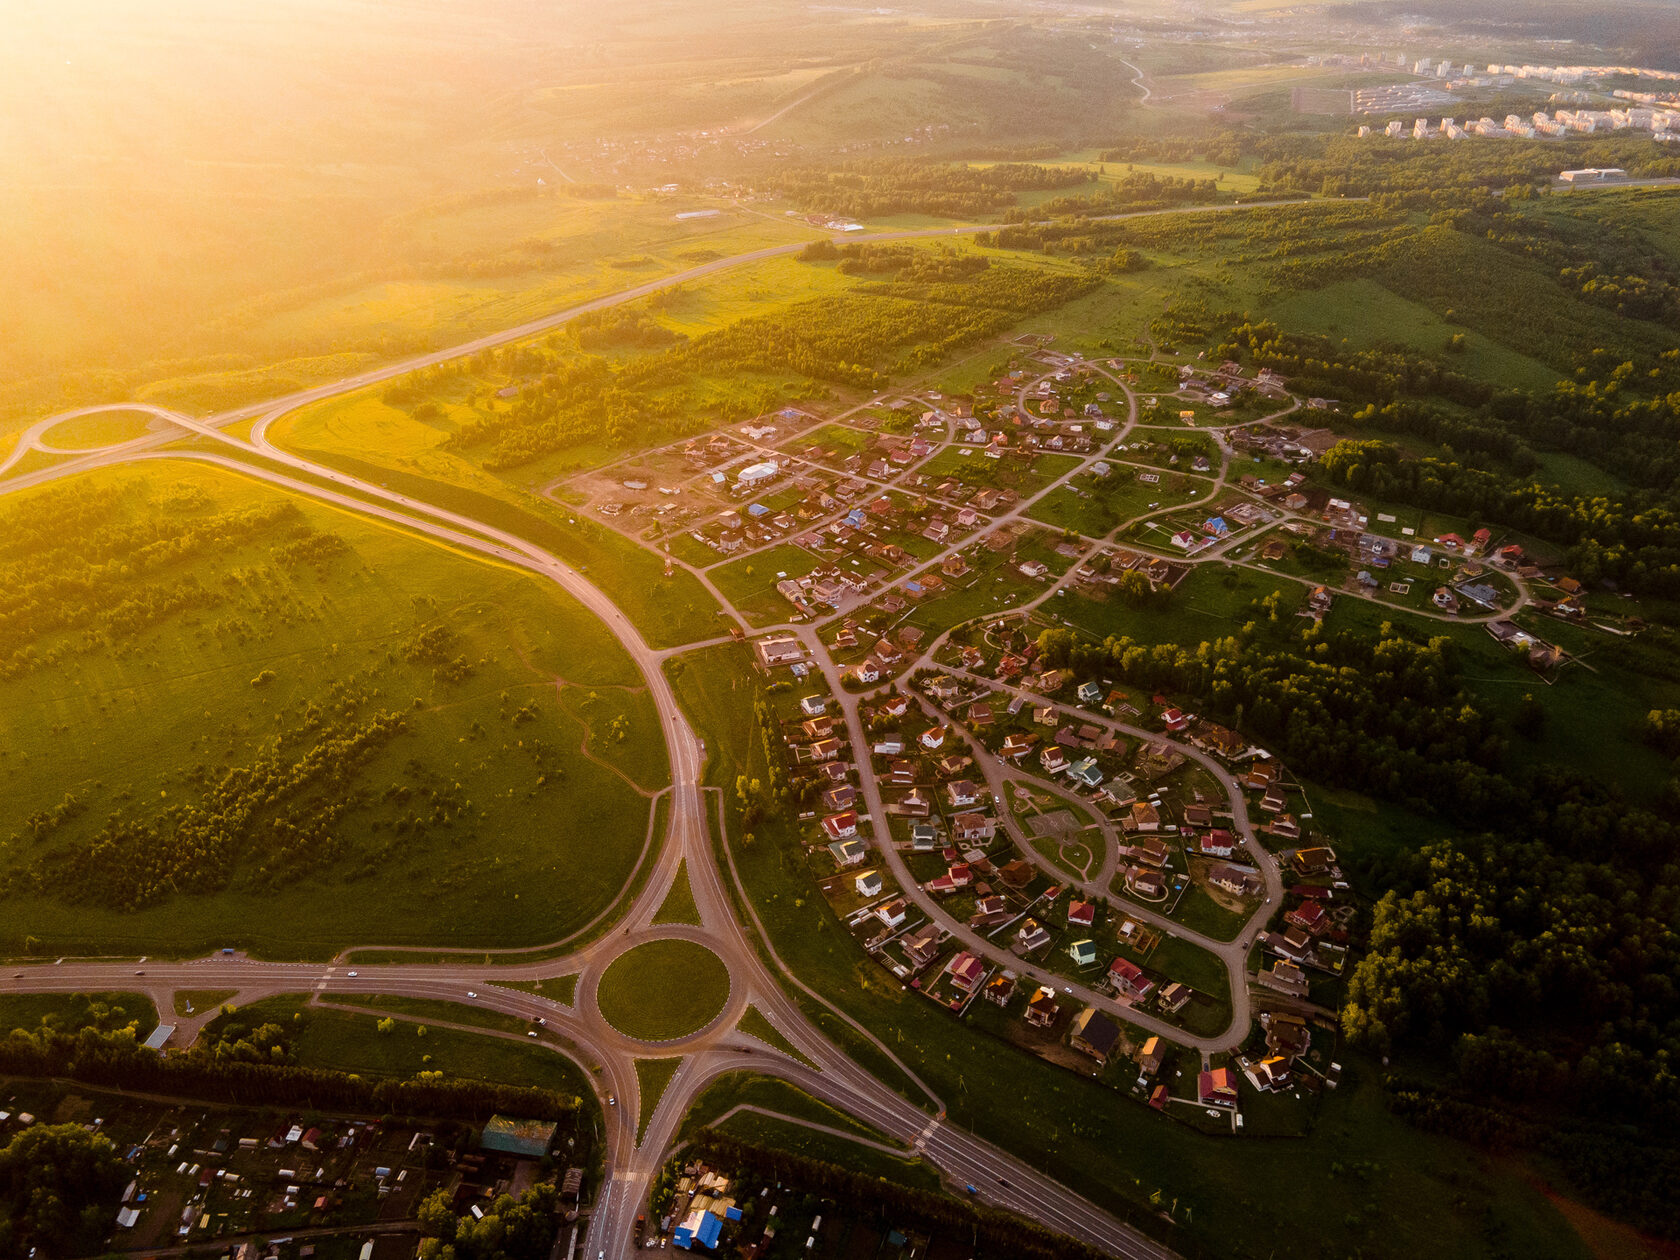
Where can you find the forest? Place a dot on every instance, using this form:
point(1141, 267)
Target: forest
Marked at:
point(907, 309)
point(872, 190)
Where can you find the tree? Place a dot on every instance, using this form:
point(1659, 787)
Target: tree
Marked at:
point(58, 1189)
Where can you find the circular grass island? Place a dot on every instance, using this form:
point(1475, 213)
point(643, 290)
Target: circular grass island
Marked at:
point(663, 990)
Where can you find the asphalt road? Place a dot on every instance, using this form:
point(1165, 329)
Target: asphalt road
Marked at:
point(632, 1159)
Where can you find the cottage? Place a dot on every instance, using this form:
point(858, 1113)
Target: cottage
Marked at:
point(1174, 719)
point(966, 971)
point(1128, 980)
point(780, 649)
point(1309, 916)
point(924, 837)
point(893, 913)
point(839, 798)
point(1053, 759)
point(849, 852)
point(1218, 843)
point(1239, 881)
point(962, 793)
point(1095, 1034)
point(1147, 819)
point(1146, 883)
point(1175, 997)
point(869, 884)
point(1000, 989)
point(1031, 936)
point(1082, 914)
point(972, 827)
point(1017, 873)
point(867, 671)
point(1083, 953)
point(1042, 1008)
point(922, 945)
point(841, 826)
point(1150, 851)
point(1151, 1056)
point(813, 706)
point(1217, 1087)
point(1090, 692)
point(1086, 772)
point(1286, 978)
point(1017, 746)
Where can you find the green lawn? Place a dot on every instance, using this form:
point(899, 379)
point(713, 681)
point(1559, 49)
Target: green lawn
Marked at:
point(73, 1011)
point(773, 1094)
point(652, 1076)
point(430, 1009)
point(350, 1042)
point(754, 1024)
point(483, 796)
point(678, 906)
point(1211, 602)
point(750, 582)
point(190, 1001)
point(663, 990)
point(560, 989)
point(667, 610)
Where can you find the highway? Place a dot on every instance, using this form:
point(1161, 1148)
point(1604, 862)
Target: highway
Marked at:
point(579, 1028)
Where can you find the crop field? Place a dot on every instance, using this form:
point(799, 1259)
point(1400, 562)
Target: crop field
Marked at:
point(486, 735)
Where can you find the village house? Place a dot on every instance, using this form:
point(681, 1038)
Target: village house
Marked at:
point(1053, 759)
point(781, 649)
point(972, 828)
point(849, 852)
point(962, 793)
point(1309, 916)
point(1128, 980)
point(839, 798)
point(1146, 883)
point(1284, 977)
point(999, 989)
point(1175, 997)
point(1150, 851)
point(868, 884)
point(1081, 914)
point(966, 971)
point(1031, 936)
point(1086, 772)
point(893, 913)
point(841, 826)
point(1239, 881)
point(1174, 719)
point(1217, 1087)
point(1083, 953)
point(933, 738)
point(1147, 819)
point(1017, 873)
point(1042, 1008)
point(1218, 843)
point(922, 945)
point(1016, 746)
point(1151, 1056)
point(889, 745)
point(1094, 1034)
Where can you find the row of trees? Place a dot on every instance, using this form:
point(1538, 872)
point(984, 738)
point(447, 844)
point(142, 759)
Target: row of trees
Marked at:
point(866, 190)
point(114, 1059)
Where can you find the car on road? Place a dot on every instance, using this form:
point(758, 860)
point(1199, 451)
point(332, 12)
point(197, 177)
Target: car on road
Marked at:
point(531, 1033)
point(612, 1101)
point(139, 973)
point(471, 994)
point(351, 974)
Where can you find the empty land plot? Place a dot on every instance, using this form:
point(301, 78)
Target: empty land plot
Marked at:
point(290, 645)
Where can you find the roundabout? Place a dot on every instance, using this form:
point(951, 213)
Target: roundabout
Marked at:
point(663, 991)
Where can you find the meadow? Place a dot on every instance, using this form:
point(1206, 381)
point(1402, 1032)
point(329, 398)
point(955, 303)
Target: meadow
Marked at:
point(516, 739)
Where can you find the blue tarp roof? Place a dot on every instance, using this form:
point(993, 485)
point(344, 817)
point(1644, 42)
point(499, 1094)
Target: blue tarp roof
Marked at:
point(758, 509)
point(711, 1228)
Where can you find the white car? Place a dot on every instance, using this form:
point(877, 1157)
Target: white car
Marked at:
point(471, 994)
point(351, 974)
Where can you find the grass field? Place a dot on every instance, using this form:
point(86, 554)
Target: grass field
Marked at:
point(436, 1010)
point(663, 990)
point(350, 1042)
point(652, 1076)
point(142, 724)
point(667, 610)
point(747, 1089)
point(1430, 1192)
point(754, 1024)
point(678, 906)
point(560, 988)
point(72, 1011)
point(196, 1001)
